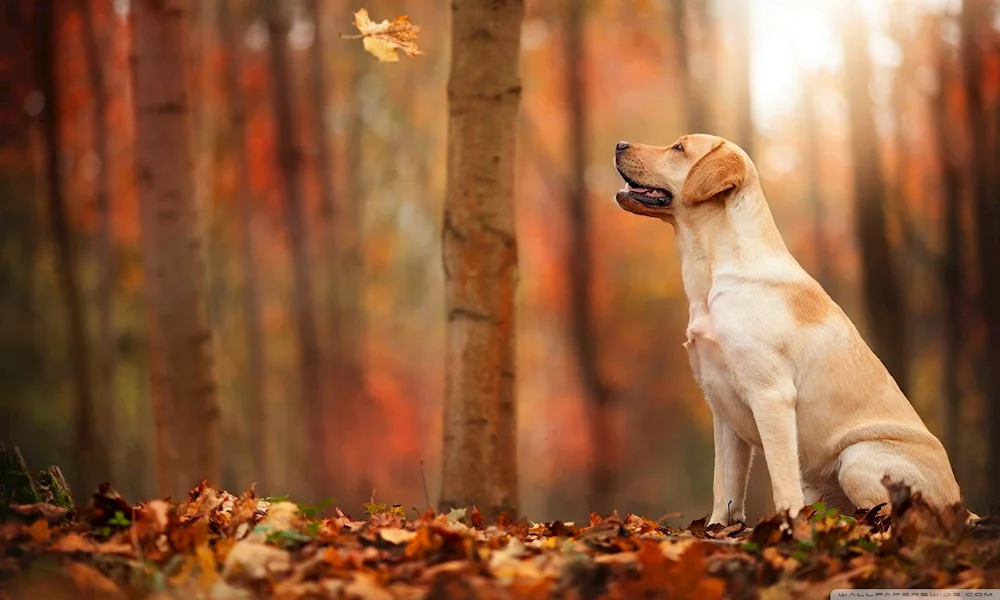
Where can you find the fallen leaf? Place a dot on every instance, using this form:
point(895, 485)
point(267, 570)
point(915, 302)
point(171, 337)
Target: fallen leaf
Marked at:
point(383, 39)
point(255, 561)
point(92, 583)
point(73, 542)
point(40, 531)
point(396, 535)
point(41, 510)
point(207, 573)
point(366, 587)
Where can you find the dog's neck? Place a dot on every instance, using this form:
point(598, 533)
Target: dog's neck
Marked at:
point(736, 241)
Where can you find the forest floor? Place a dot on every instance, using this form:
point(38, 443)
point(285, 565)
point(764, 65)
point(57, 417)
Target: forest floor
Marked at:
point(219, 546)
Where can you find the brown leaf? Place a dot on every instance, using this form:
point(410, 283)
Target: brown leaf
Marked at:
point(105, 502)
point(726, 531)
point(475, 518)
point(254, 561)
point(383, 39)
point(685, 578)
point(422, 543)
point(91, 583)
point(396, 535)
point(73, 542)
point(40, 531)
point(152, 518)
point(41, 510)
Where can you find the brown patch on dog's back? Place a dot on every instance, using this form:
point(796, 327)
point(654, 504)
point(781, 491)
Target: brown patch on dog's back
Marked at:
point(807, 302)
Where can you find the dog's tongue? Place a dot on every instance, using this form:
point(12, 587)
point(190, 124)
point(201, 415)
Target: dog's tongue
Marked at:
point(650, 192)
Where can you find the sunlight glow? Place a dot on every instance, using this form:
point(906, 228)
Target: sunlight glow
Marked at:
point(791, 38)
point(788, 37)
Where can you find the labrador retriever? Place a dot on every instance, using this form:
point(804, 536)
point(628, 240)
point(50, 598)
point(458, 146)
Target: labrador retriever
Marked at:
point(783, 369)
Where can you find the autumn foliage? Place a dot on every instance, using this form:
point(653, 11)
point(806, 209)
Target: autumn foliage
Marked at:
point(386, 124)
point(214, 544)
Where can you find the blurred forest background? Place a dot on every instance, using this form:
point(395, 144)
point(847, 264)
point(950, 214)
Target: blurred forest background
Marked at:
point(875, 125)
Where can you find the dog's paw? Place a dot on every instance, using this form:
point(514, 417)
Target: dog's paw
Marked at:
point(725, 520)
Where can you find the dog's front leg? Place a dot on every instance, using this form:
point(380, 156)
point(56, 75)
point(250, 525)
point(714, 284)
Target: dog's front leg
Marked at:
point(732, 470)
point(774, 412)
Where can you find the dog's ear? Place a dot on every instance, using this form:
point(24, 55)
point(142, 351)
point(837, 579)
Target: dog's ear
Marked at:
point(719, 171)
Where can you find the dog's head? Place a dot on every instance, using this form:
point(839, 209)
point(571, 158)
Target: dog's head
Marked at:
point(667, 181)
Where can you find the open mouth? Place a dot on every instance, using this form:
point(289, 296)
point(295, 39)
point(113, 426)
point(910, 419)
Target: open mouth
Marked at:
point(650, 196)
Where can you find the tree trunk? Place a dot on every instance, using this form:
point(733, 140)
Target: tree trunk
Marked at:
point(342, 248)
point(204, 14)
point(950, 272)
point(251, 288)
point(882, 290)
point(480, 257)
point(90, 456)
point(289, 161)
point(695, 104)
point(172, 244)
point(107, 354)
point(743, 98)
point(579, 264)
point(810, 129)
point(986, 214)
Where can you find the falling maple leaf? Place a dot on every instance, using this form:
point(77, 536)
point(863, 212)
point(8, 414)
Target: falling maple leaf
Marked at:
point(384, 38)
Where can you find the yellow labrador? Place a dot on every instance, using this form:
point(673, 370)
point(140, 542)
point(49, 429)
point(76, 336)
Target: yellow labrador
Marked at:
point(782, 367)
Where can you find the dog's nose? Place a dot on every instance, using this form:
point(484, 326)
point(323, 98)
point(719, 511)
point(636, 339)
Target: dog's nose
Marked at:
point(621, 147)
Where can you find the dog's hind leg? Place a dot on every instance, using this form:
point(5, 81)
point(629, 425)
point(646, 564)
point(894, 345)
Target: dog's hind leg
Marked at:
point(862, 467)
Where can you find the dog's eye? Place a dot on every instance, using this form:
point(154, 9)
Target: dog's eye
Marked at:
point(678, 146)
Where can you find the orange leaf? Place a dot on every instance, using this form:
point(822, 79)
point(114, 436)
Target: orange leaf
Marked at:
point(39, 531)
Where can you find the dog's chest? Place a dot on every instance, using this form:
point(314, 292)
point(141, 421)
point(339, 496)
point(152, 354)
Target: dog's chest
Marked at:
point(711, 371)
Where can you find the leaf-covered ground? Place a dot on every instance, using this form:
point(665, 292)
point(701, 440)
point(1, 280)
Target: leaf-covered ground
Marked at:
point(220, 546)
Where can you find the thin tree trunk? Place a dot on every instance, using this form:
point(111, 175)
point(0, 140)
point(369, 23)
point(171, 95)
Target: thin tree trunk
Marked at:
point(882, 290)
point(951, 263)
point(91, 459)
point(480, 258)
point(743, 99)
point(289, 162)
point(986, 213)
point(810, 128)
point(107, 355)
point(695, 105)
point(251, 288)
point(172, 243)
point(579, 264)
point(341, 245)
point(205, 114)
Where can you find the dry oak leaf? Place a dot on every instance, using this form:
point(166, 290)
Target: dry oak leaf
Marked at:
point(384, 38)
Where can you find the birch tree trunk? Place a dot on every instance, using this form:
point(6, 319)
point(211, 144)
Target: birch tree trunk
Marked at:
point(187, 417)
point(479, 250)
